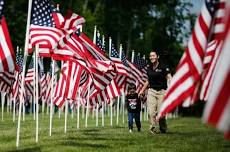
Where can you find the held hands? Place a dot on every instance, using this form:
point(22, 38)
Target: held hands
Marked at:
point(141, 94)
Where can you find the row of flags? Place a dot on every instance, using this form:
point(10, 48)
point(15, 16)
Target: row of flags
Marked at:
point(203, 71)
point(59, 38)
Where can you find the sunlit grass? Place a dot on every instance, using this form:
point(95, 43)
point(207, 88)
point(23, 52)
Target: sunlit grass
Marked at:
point(184, 134)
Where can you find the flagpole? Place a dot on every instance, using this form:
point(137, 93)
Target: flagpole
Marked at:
point(95, 34)
point(78, 108)
point(36, 91)
point(51, 100)
point(111, 112)
point(111, 104)
point(43, 101)
point(102, 114)
point(66, 113)
point(24, 68)
point(87, 109)
point(60, 109)
point(141, 102)
point(34, 98)
point(3, 95)
point(123, 107)
point(97, 114)
point(118, 100)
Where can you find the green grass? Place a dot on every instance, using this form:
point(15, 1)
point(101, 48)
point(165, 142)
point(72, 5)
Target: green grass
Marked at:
point(184, 134)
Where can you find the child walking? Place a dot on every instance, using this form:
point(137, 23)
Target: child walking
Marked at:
point(134, 107)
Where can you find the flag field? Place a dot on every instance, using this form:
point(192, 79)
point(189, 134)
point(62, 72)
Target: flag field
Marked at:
point(184, 134)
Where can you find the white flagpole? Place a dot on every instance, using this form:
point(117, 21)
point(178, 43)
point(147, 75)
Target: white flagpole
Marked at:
point(3, 102)
point(23, 110)
point(66, 114)
point(94, 34)
point(87, 109)
point(133, 54)
point(123, 107)
point(78, 108)
point(51, 100)
point(141, 102)
point(97, 107)
point(118, 100)
point(111, 101)
point(36, 85)
point(43, 102)
point(34, 92)
point(118, 104)
point(103, 40)
point(111, 112)
point(24, 68)
point(102, 114)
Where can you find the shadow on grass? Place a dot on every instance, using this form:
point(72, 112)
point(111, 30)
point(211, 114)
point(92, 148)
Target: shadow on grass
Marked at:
point(76, 144)
point(87, 138)
point(35, 149)
point(91, 130)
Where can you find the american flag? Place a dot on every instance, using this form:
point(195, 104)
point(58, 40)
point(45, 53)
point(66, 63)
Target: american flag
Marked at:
point(99, 42)
point(49, 82)
point(43, 82)
point(130, 78)
point(30, 72)
point(142, 66)
point(190, 68)
point(19, 62)
point(217, 109)
point(72, 21)
point(7, 57)
point(67, 86)
point(42, 29)
point(103, 69)
point(115, 57)
point(6, 81)
point(18, 77)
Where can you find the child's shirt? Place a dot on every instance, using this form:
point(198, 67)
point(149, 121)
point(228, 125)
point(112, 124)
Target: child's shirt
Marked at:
point(133, 103)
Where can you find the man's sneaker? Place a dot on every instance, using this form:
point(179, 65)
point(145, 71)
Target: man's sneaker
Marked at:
point(153, 130)
point(130, 130)
point(139, 129)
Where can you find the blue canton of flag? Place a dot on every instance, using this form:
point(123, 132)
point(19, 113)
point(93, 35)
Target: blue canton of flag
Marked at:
point(114, 52)
point(19, 61)
point(42, 72)
point(99, 42)
point(42, 13)
point(140, 62)
point(211, 4)
point(124, 60)
point(31, 65)
point(1, 8)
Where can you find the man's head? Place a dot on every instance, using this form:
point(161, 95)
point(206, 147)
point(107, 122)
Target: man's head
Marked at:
point(153, 56)
point(132, 88)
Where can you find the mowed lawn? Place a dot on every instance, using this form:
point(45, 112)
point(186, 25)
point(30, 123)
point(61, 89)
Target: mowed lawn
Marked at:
point(184, 134)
